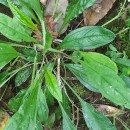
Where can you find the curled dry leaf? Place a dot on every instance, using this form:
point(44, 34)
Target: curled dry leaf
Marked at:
point(61, 8)
point(108, 110)
point(93, 14)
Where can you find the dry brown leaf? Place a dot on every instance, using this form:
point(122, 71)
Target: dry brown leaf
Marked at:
point(61, 8)
point(4, 118)
point(51, 25)
point(93, 14)
point(108, 110)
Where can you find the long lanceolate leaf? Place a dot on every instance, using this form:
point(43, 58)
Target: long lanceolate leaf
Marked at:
point(67, 123)
point(22, 17)
point(81, 75)
point(35, 5)
point(95, 120)
point(13, 30)
point(25, 117)
point(75, 8)
point(103, 78)
point(52, 84)
point(22, 76)
point(100, 59)
point(43, 110)
point(87, 38)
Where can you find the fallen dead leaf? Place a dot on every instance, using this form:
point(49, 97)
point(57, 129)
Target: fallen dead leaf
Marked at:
point(51, 25)
point(108, 110)
point(96, 12)
point(61, 8)
point(4, 118)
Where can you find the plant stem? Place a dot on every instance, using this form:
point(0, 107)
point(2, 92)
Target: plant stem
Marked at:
point(58, 69)
point(118, 15)
point(71, 89)
point(123, 31)
point(12, 64)
point(55, 7)
point(123, 123)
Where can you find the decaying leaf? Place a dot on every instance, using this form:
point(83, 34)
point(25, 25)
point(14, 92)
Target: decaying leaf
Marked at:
point(93, 14)
point(51, 25)
point(61, 8)
point(108, 110)
point(4, 118)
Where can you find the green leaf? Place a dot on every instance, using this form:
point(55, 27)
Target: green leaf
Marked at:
point(51, 120)
point(108, 83)
point(25, 7)
point(48, 42)
point(87, 38)
point(105, 80)
point(22, 76)
point(39, 126)
point(67, 123)
point(22, 17)
point(82, 76)
point(126, 80)
point(3, 77)
point(13, 30)
point(43, 110)
point(66, 104)
point(5, 2)
point(15, 103)
point(75, 8)
point(95, 120)
point(123, 65)
point(7, 53)
point(52, 85)
point(25, 117)
point(80, 73)
point(49, 98)
point(121, 61)
point(29, 55)
point(100, 59)
point(35, 5)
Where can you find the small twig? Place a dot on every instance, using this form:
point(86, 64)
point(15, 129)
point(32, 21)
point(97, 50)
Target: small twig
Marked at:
point(73, 115)
point(58, 41)
point(123, 31)
point(77, 118)
point(70, 99)
point(117, 16)
point(79, 23)
point(58, 70)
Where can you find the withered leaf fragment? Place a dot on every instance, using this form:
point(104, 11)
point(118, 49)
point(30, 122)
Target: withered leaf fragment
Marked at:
point(96, 12)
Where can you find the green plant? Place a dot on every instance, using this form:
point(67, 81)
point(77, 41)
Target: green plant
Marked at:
point(95, 71)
